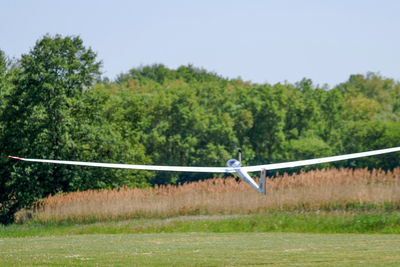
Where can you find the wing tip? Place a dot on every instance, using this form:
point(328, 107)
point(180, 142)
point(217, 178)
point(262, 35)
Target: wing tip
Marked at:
point(14, 157)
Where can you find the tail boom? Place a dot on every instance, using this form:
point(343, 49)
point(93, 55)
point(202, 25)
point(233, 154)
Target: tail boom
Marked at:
point(246, 177)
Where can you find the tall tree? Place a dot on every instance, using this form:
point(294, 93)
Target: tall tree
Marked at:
point(49, 115)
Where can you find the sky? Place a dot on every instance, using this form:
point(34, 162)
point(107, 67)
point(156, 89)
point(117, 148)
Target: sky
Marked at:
point(259, 41)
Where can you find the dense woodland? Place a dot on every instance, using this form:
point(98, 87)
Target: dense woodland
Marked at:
point(55, 105)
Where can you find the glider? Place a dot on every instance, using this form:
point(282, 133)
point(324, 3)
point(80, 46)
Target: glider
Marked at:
point(233, 166)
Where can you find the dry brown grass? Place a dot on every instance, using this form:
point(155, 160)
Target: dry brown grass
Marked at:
point(311, 191)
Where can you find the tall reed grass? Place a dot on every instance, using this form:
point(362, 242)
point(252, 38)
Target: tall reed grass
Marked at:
point(319, 190)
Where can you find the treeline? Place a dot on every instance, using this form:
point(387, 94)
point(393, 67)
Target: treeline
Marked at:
point(55, 105)
point(197, 118)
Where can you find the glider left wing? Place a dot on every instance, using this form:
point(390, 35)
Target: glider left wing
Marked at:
point(131, 166)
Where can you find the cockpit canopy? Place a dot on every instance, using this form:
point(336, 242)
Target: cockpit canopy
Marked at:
point(233, 163)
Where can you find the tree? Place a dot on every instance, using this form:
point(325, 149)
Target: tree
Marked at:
point(9, 69)
point(267, 132)
point(160, 73)
point(50, 115)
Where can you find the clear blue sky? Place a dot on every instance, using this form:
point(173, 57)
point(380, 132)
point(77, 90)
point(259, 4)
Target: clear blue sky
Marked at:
point(261, 41)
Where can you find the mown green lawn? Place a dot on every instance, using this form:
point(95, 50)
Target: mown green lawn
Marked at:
point(292, 222)
point(203, 249)
point(273, 239)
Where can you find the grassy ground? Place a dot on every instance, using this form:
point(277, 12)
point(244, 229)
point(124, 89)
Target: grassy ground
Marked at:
point(321, 190)
point(312, 222)
point(274, 239)
point(205, 249)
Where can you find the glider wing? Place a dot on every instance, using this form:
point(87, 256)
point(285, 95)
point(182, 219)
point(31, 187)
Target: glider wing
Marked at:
point(136, 167)
point(218, 169)
point(317, 161)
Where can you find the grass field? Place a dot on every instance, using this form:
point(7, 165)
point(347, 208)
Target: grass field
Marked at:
point(312, 222)
point(229, 240)
point(320, 218)
point(320, 190)
point(203, 249)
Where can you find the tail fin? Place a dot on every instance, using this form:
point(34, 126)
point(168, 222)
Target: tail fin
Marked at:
point(262, 181)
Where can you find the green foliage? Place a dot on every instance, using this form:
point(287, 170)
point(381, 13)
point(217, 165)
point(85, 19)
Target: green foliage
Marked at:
point(51, 114)
point(50, 108)
point(199, 122)
point(9, 69)
point(160, 74)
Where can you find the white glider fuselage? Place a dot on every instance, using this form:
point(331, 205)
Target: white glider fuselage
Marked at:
point(239, 172)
